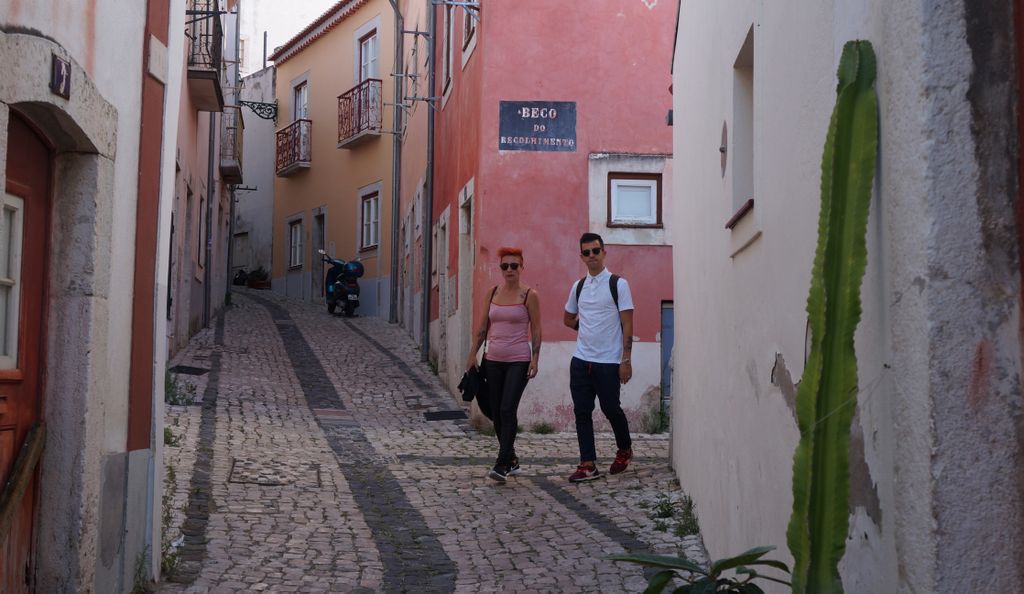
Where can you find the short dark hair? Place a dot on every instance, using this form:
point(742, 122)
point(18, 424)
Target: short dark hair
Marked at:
point(588, 237)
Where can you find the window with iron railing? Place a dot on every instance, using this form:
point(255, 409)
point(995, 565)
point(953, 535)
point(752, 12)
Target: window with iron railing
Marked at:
point(359, 109)
point(205, 35)
point(294, 146)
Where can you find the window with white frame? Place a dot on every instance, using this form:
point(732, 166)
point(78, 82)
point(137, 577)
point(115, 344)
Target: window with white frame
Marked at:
point(371, 221)
point(368, 56)
point(11, 227)
point(295, 244)
point(634, 200)
point(301, 103)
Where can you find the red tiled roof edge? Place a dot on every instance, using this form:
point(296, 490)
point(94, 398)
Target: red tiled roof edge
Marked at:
point(292, 47)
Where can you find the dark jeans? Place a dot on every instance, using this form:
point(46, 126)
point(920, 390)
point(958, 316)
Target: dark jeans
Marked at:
point(505, 385)
point(587, 380)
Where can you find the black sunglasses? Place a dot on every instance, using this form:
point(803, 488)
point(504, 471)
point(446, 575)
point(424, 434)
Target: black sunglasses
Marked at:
point(507, 265)
point(586, 253)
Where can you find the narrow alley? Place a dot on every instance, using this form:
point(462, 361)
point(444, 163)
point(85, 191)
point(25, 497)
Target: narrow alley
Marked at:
point(317, 454)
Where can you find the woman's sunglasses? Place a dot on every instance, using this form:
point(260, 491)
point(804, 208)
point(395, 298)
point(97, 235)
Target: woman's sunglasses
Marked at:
point(507, 265)
point(587, 253)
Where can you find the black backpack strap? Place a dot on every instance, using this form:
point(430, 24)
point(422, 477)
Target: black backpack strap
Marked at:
point(579, 289)
point(613, 286)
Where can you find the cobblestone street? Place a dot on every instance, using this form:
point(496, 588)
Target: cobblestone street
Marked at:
point(320, 455)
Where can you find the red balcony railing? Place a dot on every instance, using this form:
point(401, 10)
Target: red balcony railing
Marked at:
point(294, 147)
point(359, 111)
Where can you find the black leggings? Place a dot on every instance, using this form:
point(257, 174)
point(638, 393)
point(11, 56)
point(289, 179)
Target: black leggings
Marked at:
point(505, 385)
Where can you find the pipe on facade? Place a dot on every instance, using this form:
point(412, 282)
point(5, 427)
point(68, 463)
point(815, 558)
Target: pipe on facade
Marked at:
point(398, 75)
point(208, 257)
point(428, 194)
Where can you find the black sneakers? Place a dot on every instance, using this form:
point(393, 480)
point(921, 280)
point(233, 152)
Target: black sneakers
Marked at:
point(499, 473)
point(514, 469)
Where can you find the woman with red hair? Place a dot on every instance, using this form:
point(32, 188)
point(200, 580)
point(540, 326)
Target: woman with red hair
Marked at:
point(510, 322)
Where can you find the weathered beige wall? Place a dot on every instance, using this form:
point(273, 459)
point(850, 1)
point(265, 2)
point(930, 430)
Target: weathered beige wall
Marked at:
point(335, 176)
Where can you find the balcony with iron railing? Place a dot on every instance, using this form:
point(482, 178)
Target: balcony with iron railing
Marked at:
point(359, 113)
point(231, 132)
point(294, 147)
point(205, 40)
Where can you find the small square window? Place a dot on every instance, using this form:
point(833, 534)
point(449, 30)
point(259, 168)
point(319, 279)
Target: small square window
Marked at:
point(634, 200)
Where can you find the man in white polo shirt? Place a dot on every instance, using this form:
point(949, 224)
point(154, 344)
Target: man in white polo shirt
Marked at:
point(602, 311)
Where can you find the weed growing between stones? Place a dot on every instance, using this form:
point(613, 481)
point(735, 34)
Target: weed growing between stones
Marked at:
point(168, 550)
point(543, 428)
point(177, 392)
point(170, 439)
point(678, 515)
point(140, 582)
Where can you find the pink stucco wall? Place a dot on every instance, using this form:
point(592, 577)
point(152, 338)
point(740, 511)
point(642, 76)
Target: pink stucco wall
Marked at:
point(613, 60)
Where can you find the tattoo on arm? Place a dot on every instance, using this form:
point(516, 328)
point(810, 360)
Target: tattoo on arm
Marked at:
point(627, 343)
point(536, 350)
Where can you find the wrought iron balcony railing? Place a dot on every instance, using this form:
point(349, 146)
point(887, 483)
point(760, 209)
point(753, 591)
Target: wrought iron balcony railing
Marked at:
point(294, 147)
point(205, 41)
point(206, 38)
point(232, 130)
point(359, 111)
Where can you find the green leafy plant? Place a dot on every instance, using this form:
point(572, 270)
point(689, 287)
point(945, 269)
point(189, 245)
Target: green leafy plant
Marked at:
point(177, 392)
point(543, 428)
point(140, 578)
point(712, 579)
point(663, 507)
point(168, 552)
point(827, 395)
point(170, 439)
point(686, 517)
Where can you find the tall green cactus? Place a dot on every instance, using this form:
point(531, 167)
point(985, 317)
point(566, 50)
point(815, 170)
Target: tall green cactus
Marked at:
point(827, 396)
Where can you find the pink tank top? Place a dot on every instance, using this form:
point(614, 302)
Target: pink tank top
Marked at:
point(508, 339)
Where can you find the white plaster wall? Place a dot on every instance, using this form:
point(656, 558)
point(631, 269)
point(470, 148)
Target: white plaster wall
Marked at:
point(733, 430)
point(281, 21)
point(254, 208)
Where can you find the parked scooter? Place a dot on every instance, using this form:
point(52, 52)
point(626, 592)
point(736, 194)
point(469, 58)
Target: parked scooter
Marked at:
point(342, 284)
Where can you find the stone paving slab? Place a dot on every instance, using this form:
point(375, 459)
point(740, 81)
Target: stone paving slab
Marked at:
point(306, 464)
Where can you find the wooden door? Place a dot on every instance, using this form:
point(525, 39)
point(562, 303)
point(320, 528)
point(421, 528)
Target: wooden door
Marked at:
point(24, 231)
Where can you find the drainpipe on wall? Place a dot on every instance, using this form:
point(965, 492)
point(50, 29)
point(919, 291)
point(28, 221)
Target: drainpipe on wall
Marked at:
point(396, 159)
point(207, 259)
point(428, 195)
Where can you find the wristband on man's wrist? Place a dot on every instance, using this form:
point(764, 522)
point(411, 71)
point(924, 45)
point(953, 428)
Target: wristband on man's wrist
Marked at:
point(625, 360)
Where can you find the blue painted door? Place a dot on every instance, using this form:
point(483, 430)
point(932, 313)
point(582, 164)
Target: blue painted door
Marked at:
point(667, 341)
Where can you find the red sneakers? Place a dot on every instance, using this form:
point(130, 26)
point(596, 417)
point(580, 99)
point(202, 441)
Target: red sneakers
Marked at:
point(622, 458)
point(584, 474)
